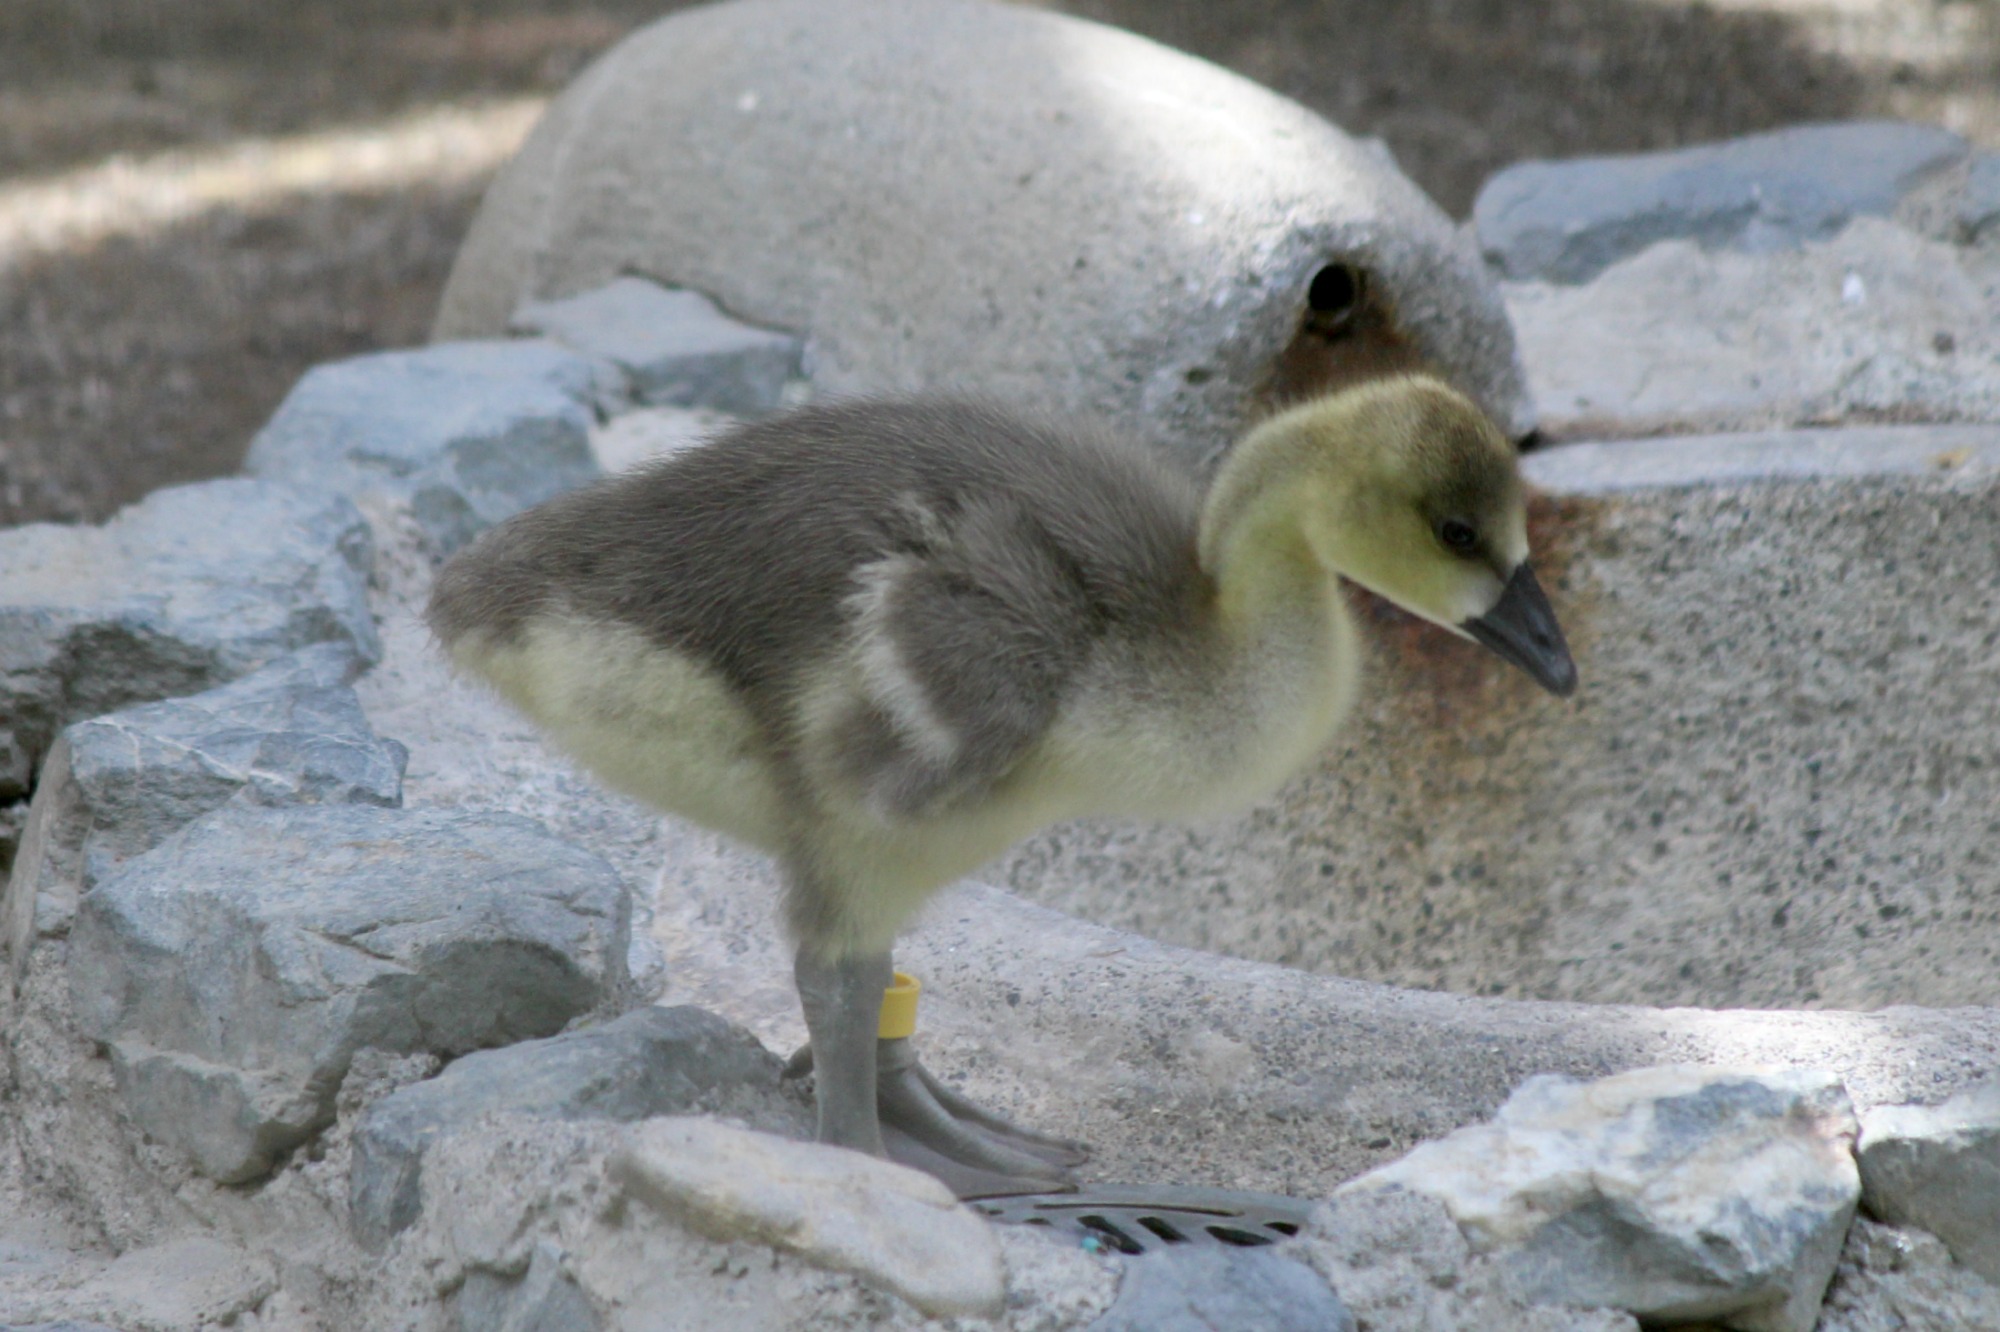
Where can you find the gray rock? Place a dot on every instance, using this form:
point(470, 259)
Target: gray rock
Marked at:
point(233, 970)
point(1223, 1290)
point(1892, 1280)
point(890, 1225)
point(653, 1061)
point(1569, 221)
point(542, 1299)
point(677, 348)
point(1938, 1168)
point(975, 196)
point(1678, 1194)
point(1400, 1265)
point(115, 786)
point(189, 588)
point(1979, 205)
point(464, 434)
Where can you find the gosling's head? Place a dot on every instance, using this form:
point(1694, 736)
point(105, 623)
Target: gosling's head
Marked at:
point(1411, 491)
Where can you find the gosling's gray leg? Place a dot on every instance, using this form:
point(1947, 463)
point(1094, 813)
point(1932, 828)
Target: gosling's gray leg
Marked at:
point(842, 1000)
point(875, 1097)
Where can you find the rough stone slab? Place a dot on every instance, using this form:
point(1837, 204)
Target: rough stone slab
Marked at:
point(1210, 1290)
point(1776, 786)
point(234, 969)
point(464, 434)
point(839, 1209)
point(112, 787)
point(1892, 1280)
point(1400, 1265)
point(1938, 1168)
point(980, 197)
point(676, 347)
point(1678, 1194)
point(1879, 323)
point(1569, 221)
point(653, 1061)
point(191, 587)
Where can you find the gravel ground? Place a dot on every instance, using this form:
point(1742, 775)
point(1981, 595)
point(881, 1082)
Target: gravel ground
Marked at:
point(199, 200)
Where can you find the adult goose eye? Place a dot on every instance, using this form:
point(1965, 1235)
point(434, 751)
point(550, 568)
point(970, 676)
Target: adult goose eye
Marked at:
point(1458, 536)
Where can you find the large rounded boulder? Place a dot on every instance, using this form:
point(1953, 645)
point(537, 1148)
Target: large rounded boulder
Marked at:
point(953, 194)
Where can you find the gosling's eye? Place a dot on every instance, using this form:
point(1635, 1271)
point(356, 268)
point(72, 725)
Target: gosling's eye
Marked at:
point(1458, 537)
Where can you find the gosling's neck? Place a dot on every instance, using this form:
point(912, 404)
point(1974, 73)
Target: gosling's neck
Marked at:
point(1253, 537)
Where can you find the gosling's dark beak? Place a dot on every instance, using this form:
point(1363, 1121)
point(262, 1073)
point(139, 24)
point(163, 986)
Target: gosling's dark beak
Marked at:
point(1522, 629)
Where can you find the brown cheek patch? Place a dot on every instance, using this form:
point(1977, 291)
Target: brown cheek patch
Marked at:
point(1436, 679)
point(1560, 529)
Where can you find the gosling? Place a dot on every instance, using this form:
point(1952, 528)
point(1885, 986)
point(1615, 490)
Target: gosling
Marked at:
point(883, 640)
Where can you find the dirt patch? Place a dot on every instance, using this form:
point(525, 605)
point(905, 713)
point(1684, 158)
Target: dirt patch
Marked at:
point(144, 355)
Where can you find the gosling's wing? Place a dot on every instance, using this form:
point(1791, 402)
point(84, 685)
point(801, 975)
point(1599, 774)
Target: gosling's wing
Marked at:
point(960, 655)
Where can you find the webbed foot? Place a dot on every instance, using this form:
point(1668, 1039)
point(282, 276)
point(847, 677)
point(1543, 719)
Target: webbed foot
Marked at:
point(978, 1154)
point(927, 1126)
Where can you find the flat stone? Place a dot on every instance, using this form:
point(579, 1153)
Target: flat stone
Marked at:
point(233, 970)
point(190, 587)
point(1879, 323)
point(462, 435)
point(1938, 1168)
point(985, 198)
point(115, 786)
point(1221, 1290)
point(1568, 221)
point(676, 347)
point(1678, 1194)
point(192, 1283)
point(893, 1226)
point(652, 1061)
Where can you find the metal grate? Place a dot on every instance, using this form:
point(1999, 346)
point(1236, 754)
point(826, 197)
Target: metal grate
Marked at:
point(1138, 1218)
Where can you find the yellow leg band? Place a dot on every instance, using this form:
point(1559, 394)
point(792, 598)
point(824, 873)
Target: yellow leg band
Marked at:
point(899, 1008)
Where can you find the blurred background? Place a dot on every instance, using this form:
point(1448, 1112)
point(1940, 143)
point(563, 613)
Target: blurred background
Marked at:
point(201, 198)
